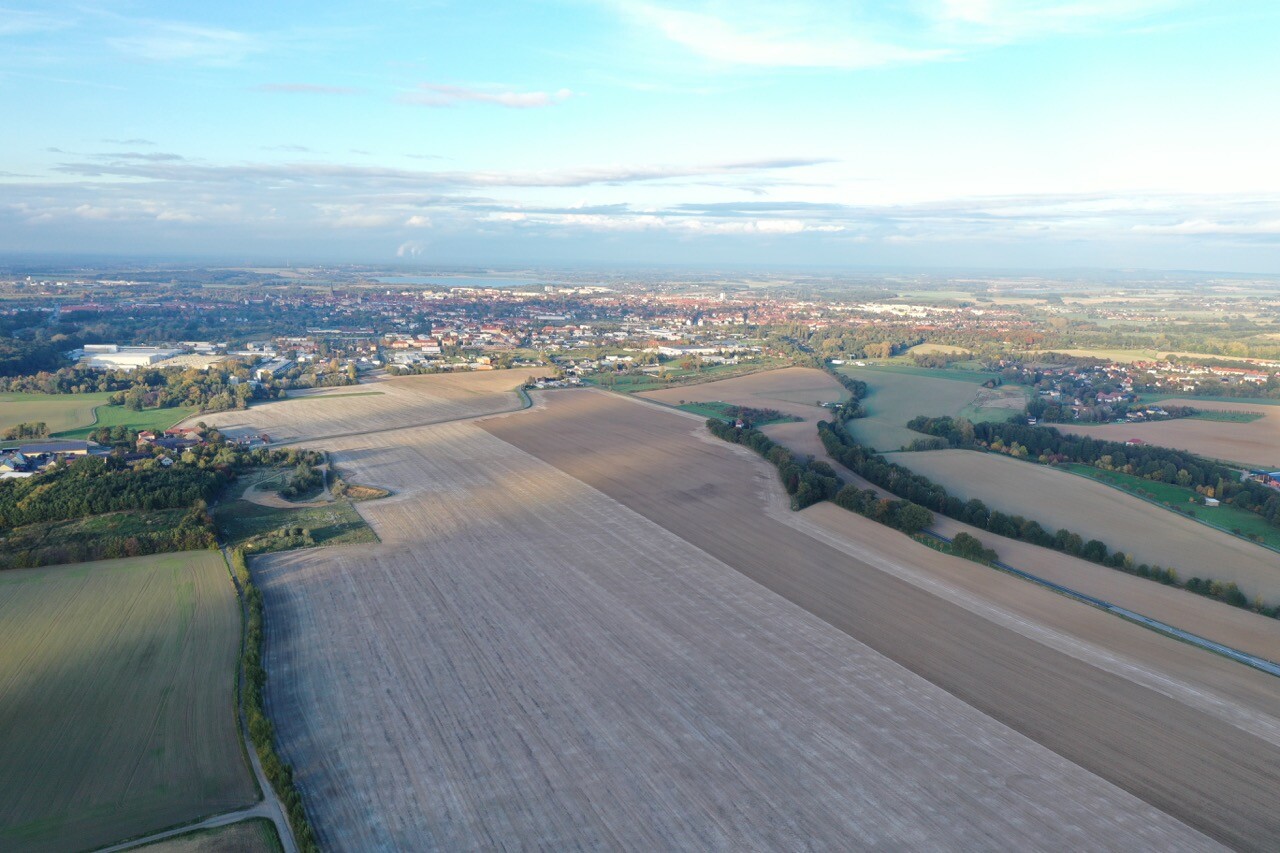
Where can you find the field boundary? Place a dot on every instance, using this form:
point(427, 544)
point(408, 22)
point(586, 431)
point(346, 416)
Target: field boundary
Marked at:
point(1258, 663)
point(1154, 502)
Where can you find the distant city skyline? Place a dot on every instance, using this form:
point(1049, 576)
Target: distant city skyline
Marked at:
point(976, 133)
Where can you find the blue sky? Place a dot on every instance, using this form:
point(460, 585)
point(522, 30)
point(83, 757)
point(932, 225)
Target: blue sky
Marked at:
point(1046, 133)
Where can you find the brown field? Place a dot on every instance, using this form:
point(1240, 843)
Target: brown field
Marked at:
point(525, 661)
point(793, 390)
point(1151, 534)
point(1213, 620)
point(404, 401)
point(1255, 444)
point(1088, 695)
point(117, 694)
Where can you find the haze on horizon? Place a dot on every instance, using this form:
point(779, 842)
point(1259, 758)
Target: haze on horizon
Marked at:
point(1046, 133)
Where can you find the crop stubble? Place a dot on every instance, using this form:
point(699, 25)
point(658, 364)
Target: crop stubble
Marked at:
point(1255, 443)
point(526, 660)
point(1150, 533)
point(1194, 765)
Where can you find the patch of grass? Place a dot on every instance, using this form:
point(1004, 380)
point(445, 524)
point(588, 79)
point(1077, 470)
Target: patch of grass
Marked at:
point(256, 835)
point(1188, 502)
point(158, 420)
point(1210, 398)
point(119, 681)
point(1227, 417)
point(634, 383)
point(258, 529)
point(724, 411)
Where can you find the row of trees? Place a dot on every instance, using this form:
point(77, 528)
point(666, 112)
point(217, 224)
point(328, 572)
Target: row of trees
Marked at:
point(39, 429)
point(97, 485)
point(261, 731)
point(907, 484)
point(1159, 464)
point(809, 482)
point(806, 481)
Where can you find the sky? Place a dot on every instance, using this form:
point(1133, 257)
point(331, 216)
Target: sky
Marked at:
point(921, 133)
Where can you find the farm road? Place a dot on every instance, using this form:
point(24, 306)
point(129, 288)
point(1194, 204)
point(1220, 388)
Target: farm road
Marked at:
point(261, 810)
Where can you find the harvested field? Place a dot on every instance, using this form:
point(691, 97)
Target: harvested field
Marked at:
point(248, 836)
point(525, 662)
point(405, 401)
point(1253, 443)
point(793, 390)
point(1213, 620)
point(1151, 534)
point(899, 394)
point(1213, 758)
point(117, 699)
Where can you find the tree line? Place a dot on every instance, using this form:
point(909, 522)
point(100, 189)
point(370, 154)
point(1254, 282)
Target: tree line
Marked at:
point(807, 482)
point(916, 488)
point(194, 531)
point(1160, 464)
point(261, 731)
point(38, 429)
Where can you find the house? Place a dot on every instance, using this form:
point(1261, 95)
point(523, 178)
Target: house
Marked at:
point(1212, 502)
point(1134, 442)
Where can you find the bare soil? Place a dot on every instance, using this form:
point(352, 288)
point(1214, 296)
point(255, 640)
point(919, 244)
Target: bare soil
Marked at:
point(1212, 763)
point(524, 661)
point(1150, 533)
point(1255, 444)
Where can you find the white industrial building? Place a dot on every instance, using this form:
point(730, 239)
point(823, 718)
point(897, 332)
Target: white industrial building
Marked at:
point(114, 356)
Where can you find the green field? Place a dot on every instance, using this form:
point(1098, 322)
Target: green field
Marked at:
point(256, 835)
point(158, 420)
point(899, 393)
point(1208, 398)
point(77, 415)
point(718, 409)
point(1188, 502)
point(1227, 417)
point(117, 690)
point(59, 411)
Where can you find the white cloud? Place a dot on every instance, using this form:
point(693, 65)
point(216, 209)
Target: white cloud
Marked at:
point(305, 89)
point(770, 43)
point(418, 221)
point(162, 41)
point(444, 95)
point(848, 36)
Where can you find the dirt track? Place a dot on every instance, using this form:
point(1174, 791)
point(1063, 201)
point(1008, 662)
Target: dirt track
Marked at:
point(526, 662)
point(1160, 743)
